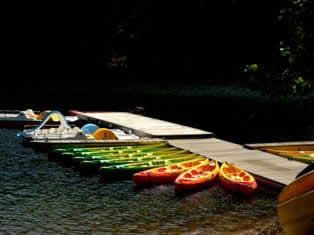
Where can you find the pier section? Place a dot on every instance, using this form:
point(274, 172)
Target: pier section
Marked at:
point(268, 169)
point(143, 126)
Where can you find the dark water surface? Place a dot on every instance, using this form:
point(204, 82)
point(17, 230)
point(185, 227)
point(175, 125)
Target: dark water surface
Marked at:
point(39, 196)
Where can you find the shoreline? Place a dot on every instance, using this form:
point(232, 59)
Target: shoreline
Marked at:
point(271, 228)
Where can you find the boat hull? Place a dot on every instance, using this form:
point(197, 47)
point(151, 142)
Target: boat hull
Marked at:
point(301, 156)
point(243, 183)
point(238, 187)
point(130, 169)
point(88, 166)
point(296, 207)
point(193, 186)
point(304, 147)
point(164, 175)
point(297, 215)
point(197, 178)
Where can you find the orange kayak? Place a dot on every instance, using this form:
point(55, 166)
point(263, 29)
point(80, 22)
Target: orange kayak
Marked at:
point(166, 174)
point(236, 180)
point(197, 177)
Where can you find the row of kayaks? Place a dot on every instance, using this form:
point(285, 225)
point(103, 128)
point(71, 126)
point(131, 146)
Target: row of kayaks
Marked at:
point(301, 156)
point(123, 160)
point(198, 174)
point(156, 164)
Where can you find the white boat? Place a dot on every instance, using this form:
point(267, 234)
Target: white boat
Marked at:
point(66, 132)
point(27, 117)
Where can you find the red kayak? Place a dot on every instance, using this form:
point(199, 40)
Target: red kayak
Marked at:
point(166, 174)
point(237, 180)
point(198, 177)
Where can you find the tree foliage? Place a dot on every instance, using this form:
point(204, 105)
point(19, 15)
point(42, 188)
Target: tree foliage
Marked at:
point(291, 69)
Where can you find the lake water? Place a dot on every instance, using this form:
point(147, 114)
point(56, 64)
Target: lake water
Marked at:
point(43, 197)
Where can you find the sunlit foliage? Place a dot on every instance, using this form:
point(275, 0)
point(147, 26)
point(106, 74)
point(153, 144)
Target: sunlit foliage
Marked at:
point(291, 70)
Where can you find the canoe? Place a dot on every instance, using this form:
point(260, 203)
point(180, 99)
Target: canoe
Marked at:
point(236, 180)
point(304, 159)
point(296, 207)
point(100, 151)
point(302, 147)
point(291, 152)
point(122, 156)
point(198, 177)
point(109, 151)
point(55, 152)
point(92, 149)
point(94, 164)
point(301, 156)
point(133, 157)
point(129, 169)
point(122, 151)
point(164, 175)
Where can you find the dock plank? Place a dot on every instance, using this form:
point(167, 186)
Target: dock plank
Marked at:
point(260, 164)
point(142, 125)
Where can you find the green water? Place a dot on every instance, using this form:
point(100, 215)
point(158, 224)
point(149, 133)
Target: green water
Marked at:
point(43, 197)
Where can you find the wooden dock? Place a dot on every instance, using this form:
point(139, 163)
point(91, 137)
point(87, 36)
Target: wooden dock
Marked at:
point(143, 126)
point(268, 169)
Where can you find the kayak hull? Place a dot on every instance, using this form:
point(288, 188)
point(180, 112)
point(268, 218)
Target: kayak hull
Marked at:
point(165, 175)
point(198, 177)
point(144, 178)
point(246, 188)
point(237, 180)
point(193, 186)
point(301, 156)
point(130, 169)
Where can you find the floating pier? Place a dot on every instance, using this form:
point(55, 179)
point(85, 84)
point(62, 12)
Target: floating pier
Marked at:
point(142, 126)
point(268, 169)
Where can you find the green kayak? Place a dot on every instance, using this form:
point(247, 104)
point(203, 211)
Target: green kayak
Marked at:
point(92, 165)
point(305, 158)
point(67, 156)
point(72, 154)
point(112, 157)
point(129, 169)
point(113, 148)
point(73, 159)
point(124, 151)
